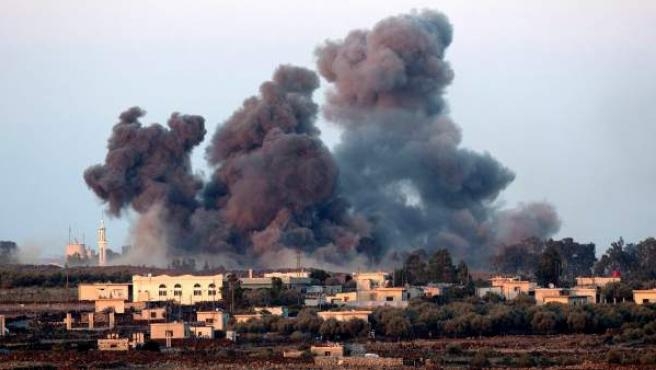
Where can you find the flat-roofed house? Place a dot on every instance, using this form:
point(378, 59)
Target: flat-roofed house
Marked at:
point(344, 315)
point(92, 292)
point(644, 296)
point(216, 319)
point(116, 305)
point(511, 287)
point(173, 330)
point(597, 281)
point(184, 289)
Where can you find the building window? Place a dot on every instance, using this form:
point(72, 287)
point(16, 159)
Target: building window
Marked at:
point(197, 291)
point(645, 301)
point(212, 289)
point(177, 290)
point(153, 315)
point(162, 290)
point(169, 334)
point(209, 321)
point(389, 299)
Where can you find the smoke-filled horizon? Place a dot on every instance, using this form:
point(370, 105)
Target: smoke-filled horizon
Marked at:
point(398, 180)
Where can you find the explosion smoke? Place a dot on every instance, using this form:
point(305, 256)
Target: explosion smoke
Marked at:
point(399, 179)
point(399, 156)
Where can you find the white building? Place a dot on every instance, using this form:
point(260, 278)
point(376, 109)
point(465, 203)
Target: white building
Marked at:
point(184, 289)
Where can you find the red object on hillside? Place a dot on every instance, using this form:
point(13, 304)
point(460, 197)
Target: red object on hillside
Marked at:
point(616, 273)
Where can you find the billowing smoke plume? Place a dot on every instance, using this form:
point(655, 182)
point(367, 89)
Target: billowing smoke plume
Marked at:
point(399, 180)
point(400, 157)
point(272, 189)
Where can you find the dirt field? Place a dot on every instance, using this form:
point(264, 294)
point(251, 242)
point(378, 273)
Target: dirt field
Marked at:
point(554, 352)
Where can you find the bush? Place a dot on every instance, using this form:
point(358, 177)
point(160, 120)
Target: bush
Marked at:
point(479, 360)
point(454, 349)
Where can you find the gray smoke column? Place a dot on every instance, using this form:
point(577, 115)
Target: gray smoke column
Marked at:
point(400, 157)
point(274, 184)
point(147, 168)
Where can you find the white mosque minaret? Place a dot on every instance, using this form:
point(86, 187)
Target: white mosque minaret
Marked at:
point(102, 244)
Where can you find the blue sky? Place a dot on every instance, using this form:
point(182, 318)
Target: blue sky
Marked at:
point(562, 92)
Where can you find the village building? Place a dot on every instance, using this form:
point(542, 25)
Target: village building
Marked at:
point(596, 281)
point(216, 319)
point(93, 292)
point(345, 315)
point(328, 350)
point(183, 289)
point(116, 305)
point(201, 331)
point(172, 330)
point(241, 318)
point(511, 287)
point(150, 314)
point(113, 343)
point(644, 296)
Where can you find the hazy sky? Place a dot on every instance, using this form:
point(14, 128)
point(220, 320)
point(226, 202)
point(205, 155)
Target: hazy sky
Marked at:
point(561, 92)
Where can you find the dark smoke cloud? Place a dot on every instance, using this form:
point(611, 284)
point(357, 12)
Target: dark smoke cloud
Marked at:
point(399, 180)
point(400, 157)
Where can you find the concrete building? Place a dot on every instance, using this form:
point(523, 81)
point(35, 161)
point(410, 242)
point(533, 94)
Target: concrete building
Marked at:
point(281, 275)
point(116, 305)
point(184, 289)
point(644, 296)
point(241, 318)
point(276, 311)
point(93, 292)
point(292, 279)
point(371, 280)
point(150, 314)
point(481, 292)
point(344, 315)
point(3, 326)
point(435, 290)
point(565, 295)
point(513, 286)
point(328, 350)
point(596, 281)
point(256, 283)
point(216, 319)
point(78, 252)
point(202, 331)
point(113, 343)
point(571, 300)
point(172, 330)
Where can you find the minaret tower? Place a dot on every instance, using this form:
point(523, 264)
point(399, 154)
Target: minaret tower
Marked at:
point(102, 244)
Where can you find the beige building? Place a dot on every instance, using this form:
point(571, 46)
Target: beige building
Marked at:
point(92, 292)
point(571, 300)
point(344, 315)
point(241, 318)
point(206, 332)
point(332, 350)
point(644, 296)
point(216, 319)
point(564, 295)
point(113, 343)
point(173, 330)
point(75, 249)
point(596, 281)
point(281, 275)
point(512, 287)
point(185, 289)
point(276, 311)
point(371, 280)
point(256, 283)
point(116, 305)
point(150, 314)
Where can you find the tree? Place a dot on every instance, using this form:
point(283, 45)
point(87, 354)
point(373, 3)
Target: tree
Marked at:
point(462, 274)
point(440, 267)
point(520, 258)
point(397, 327)
point(549, 267)
point(8, 252)
point(415, 267)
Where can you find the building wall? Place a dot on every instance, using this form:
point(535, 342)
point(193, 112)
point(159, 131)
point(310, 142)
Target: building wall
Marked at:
point(92, 292)
point(178, 330)
point(391, 295)
point(567, 300)
point(247, 317)
point(202, 331)
point(644, 296)
point(590, 293)
point(147, 314)
point(370, 280)
point(256, 283)
point(344, 315)
point(599, 281)
point(512, 287)
point(116, 305)
point(121, 344)
point(217, 319)
point(281, 275)
point(185, 289)
point(328, 351)
point(277, 311)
